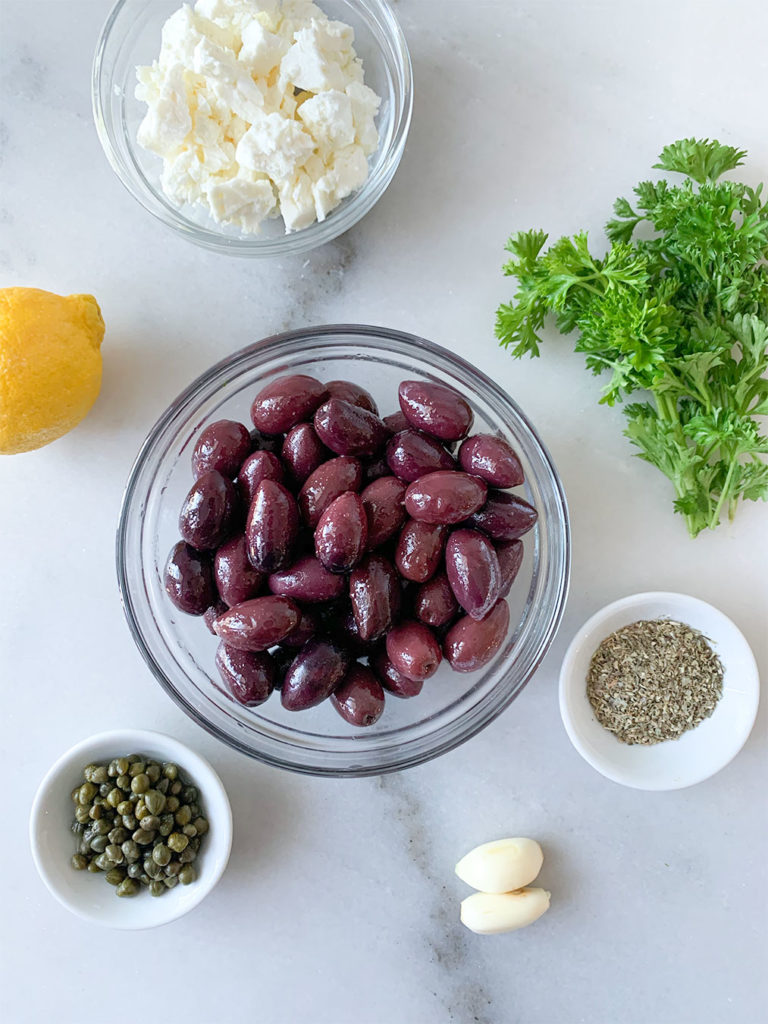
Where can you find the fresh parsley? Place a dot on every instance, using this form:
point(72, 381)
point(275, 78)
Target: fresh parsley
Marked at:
point(680, 312)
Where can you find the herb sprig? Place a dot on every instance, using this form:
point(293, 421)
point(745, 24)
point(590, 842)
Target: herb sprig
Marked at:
point(681, 313)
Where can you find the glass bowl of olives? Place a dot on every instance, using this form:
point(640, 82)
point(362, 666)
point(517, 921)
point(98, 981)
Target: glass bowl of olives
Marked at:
point(369, 550)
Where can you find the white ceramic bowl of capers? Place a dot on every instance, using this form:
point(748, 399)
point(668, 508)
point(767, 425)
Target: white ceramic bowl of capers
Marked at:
point(198, 843)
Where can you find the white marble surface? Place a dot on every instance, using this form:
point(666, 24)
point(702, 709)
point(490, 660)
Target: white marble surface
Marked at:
point(340, 905)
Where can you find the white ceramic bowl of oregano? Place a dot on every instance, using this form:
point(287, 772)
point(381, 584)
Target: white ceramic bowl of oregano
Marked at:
point(659, 691)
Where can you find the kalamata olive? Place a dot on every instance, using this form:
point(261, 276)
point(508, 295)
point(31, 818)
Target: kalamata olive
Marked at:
point(349, 430)
point(344, 628)
point(209, 512)
point(283, 659)
point(413, 649)
point(236, 579)
point(374, 589)
point(411, 454)
point(259, 623)
point(375, 468)
point(435, 603)
point(347, 391)
point(359, 698)
point(384, 509)
point(211, 614)
point(444, 497)
point(396, 422)
point(309, 625)
point(492, 459)
point(504, 516)
point(222, 446)
point(342, 533)
point(392, 680)
point(272, 527)
point(473, 571)
point(188, 579)
point(315, 673)
point(308, 580)
point(249, 676)
point(261, 465)
point(510, 555)
point(286, 402)
point(326, 483)
point(435, 408)
point(303, 452)
point(419, 550)
point(471, 643)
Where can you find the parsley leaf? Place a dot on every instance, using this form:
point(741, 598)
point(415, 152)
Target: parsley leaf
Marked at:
point(680, 314)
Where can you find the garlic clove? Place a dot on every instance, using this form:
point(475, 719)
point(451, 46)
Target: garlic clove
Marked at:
point(501, 865)
point(487, 913)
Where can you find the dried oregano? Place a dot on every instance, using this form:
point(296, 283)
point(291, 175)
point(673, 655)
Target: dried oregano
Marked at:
point(653, 680)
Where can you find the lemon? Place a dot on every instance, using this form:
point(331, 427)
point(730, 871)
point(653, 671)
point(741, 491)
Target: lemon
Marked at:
point(50, 365)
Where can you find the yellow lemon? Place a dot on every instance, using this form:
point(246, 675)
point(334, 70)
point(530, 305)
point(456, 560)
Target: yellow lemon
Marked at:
point(50, 365)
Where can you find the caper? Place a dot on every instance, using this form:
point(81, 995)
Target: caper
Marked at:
point(153, 772)
point(176, 787)
point(114, 853)
point(201, 824)
point(142, 837)
point(162, 786)
point(140, 810)
point(178, 841)
point(115, 797)
point(167, 825)
point(135, 870)
point(173, 868)
point(130, 822)
point(87, 792)
point(77, 827)
point(172, 804)
point(161, 854)
point(88, 772)
point(183, 815)
point(93, 866)
point(132, 758)
point(187, 874)
point(95, 811)
point(112, 770)
point(152, 868)
point(124, 807)
point(118, 835)
point(145, 879)
point(169, 883)
point(150, 822)
point(79, 862)
point(194, 809)
point(127, 887)
point(139, 783)
point(104, 862)
point(155, 801)
point(130, 850)
point(156, 888)
point(99, 844)
point(104, 788)
point(190, 794)
point(124, 782)
point(115, 876)
point(189, 831)
point(82, 814)
point(170, 770)
point(188, 855)
point(137, 768)
point(84, 847)
point(102, 826)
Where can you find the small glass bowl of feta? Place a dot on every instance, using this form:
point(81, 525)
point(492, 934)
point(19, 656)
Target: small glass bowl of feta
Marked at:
point(254, 127)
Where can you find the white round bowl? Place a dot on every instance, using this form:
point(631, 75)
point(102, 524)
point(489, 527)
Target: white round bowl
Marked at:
point(89, 895)
point(697, 754)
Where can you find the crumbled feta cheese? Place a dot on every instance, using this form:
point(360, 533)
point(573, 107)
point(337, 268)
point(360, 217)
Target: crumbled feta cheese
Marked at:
point(258, 108)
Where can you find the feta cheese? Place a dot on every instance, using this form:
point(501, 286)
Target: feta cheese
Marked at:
point(258, 108)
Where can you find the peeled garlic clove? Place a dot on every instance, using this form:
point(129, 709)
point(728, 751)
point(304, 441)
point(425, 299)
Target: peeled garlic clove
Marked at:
point(502, 865)
point(489, 913)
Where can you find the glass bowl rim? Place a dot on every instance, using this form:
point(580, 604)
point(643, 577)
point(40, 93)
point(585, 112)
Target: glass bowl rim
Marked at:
point(351, 210)
point(486, 711)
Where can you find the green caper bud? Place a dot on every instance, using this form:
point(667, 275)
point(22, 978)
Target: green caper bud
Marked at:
point(145, 879)
point(140, 810)
point(77, 827)
point(130, 850)
point(122, 764)
point(135, 870)
point(189, 831)
point(127, 887)
point(124, 807)
point(112, 770)
point(194, 809)
point(79, 862)
point(139, 783)
point(137, 768)
point(150, 823)
point(124, 782)
point(167, 825)
point(94, 867)
point(75, 795)
point(130, 822)
point(104, 862)
point(95, 811)
point(173, 868)
point(118, 835)
point(114, 797)
point(142, 838)
point(151, 868)
point(84, 848)
point(161, 854)
point(88, 772)
point(115, 876)
point(132, 758)
point(187, 874)
point(189, 795)
point(162, 786)
point(183, 815)
point(188, 855)
point(100, 776)
point(169, 883)
point(102, 826)
point(201, 824)
point(172, 804)
point(87, 792)
point(176, 787)
point(153, 772)
point(155, 801)
point(114, 853)
point(99, 844)
point(82, 814)
point(178, 841)
point(170, 770)
point(156, 888)
point(104, 788)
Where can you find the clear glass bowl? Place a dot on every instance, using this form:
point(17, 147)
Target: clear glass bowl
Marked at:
point(131, 37)
point(180, 650)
